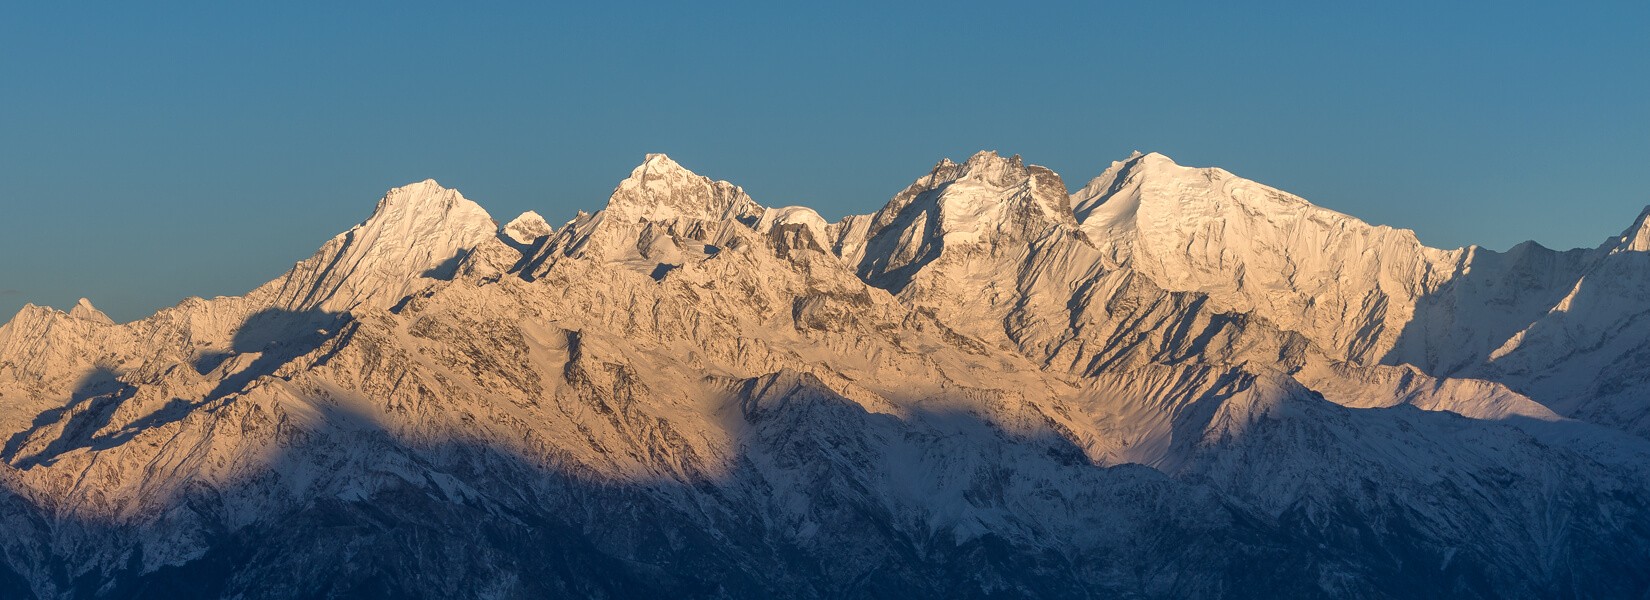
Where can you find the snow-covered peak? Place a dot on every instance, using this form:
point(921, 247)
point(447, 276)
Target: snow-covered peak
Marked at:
point(793, 215)
point(778, 220)
point(658, 162)
point(993, 168)
point(985, 204)
point(414, 220)
point(1342, 282)
point(692, 381)
point(1110, 200)
point(84, 310)
point(1151, 192)
point(660, 189)
point(429, 198)
point(527, 227)
point(985, 193)
point(1637, 237)
point(417, 232)
point(1101, 190)
point(30, 313)
point(986, 167)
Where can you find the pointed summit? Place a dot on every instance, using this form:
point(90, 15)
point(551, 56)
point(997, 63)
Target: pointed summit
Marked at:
point(84, 310)
point(528, 227)
point(417, 231)
point(437, 205)
point(1637, 237)
point(658, 162)
point(985, 203)
point(1121, 180)
point(661, 190)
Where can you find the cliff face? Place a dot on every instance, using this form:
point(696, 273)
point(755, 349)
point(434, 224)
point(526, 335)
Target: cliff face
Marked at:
point(1172, 383)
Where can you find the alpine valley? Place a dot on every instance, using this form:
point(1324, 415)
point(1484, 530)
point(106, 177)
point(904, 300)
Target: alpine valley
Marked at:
point(1172, 383)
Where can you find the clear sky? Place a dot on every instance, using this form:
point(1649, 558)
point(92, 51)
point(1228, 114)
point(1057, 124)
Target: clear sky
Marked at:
point(152, 151)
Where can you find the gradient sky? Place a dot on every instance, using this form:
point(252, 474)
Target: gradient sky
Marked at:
point(150, 152)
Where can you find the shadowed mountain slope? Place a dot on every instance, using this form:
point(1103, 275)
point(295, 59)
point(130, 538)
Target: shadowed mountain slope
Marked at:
point(1172, 383)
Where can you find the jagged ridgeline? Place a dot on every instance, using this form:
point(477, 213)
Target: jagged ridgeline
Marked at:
point(1172, 383)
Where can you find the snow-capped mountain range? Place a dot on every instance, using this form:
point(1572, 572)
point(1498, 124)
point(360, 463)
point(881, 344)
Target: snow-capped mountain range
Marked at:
point(1173, 382)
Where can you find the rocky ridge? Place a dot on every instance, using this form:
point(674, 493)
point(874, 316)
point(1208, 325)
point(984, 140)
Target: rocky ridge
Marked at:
point(1173, 382)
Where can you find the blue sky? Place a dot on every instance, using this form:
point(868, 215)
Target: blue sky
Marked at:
point(150, 152)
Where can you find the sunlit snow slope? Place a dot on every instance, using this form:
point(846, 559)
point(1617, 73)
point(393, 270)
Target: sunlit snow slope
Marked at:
point(1172, 383)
